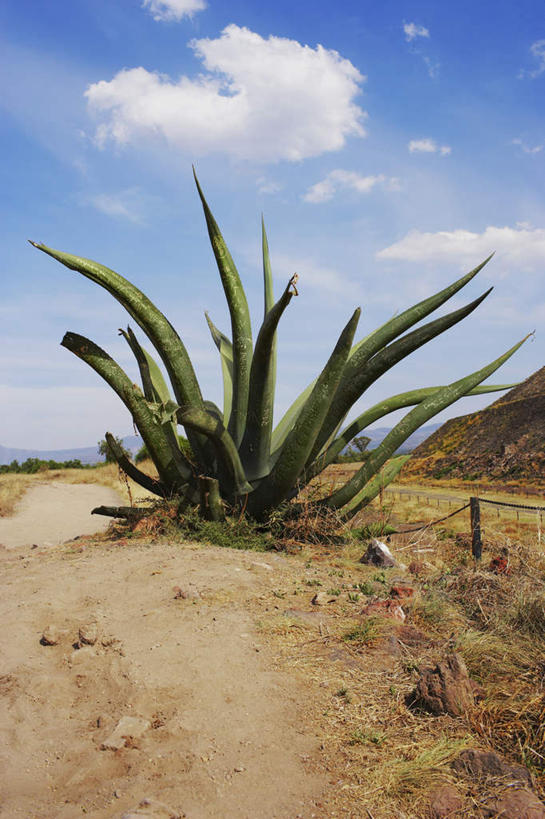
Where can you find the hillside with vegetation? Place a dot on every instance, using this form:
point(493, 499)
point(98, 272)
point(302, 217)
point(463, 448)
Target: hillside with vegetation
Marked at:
point(504, 442)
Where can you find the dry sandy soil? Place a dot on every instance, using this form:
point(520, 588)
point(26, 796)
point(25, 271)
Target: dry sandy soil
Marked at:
point(158, 632)
point(54, 512)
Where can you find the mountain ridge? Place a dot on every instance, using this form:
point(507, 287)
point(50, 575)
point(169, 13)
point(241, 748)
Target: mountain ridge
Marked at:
point(505, 441)
point(90, 455)
point(87, 455)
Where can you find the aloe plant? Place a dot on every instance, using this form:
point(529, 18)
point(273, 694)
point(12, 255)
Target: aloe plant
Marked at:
point(237, 452)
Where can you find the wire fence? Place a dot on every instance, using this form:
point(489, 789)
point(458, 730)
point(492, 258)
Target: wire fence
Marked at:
point(474, 505)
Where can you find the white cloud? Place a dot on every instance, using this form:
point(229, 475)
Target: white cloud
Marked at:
point(347, 180)
point(537, 50)
point(265, 185)
point(412, 31)
point(521, 247)
point(173, 10)
point(527, 148)
point(127, 204)
point(261, 99)
point(433, 67)
point(428, 146)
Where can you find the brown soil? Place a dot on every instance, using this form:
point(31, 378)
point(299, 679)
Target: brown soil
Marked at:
point(227, 736)
point(252, 702)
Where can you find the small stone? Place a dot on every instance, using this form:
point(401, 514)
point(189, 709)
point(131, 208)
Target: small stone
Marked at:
point(388, 608)
point(128, 728)
point(378, 554)
point(239, 769)
point(402, 592)
point(445, 689)
point(185, 594)
point(88, 634)
point(478, 763)
point(321, 598)
point(50, 636)
point(517, 803)
point(445, 802)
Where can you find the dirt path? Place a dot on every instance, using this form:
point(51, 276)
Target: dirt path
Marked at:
point(223, 730)
point(52, 513)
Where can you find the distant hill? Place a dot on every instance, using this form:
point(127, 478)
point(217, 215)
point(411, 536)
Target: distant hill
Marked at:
point(377, 436)
point(87, 455)
point(505, 441)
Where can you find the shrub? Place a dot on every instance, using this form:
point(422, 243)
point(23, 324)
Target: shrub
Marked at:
point(244, 462)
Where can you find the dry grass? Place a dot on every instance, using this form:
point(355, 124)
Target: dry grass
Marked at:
point(381, 758)
point(384, 758)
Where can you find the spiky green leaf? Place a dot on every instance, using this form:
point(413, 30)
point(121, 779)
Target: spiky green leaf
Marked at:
point(225, 349)
point(240, 321)
point(276, 486)
point(432, 405)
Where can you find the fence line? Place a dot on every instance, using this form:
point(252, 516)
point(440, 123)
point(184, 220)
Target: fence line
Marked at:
point(475, 519)
point(433, 522)
point(513, 505)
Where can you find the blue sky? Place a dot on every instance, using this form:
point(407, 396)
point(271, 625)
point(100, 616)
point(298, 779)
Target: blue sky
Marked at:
point(390, 147)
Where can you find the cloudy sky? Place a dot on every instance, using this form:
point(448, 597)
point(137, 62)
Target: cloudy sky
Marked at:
point(390, 147)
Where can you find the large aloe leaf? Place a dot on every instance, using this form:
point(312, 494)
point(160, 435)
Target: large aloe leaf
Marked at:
point(155, 387)
point(380, 481)
point(158, 329)
point(240, 322)
point(213, 410)
point(226, 357)
point(276, 486)
point(268, 290)
point(398, 324)
point(288, 419)
point(255, 448)
point(201, 421)
point(432, 405)
point(367, 339)
point(151, 484)
point(171, 473)
point(268, 304)
point(374, 413)
point(284, 427)
point(354, 383)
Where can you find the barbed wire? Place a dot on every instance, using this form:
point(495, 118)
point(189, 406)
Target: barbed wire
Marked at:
point(433, 522)
point(512, 505)
point(466, 506)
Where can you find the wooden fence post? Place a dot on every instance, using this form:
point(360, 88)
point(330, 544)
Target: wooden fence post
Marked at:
point(475, 516)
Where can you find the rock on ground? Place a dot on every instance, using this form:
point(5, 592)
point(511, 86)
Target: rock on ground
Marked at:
point(517, 803)
point(378, 554)
point(445, 803)
point(479, 763)
point(445, 689)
